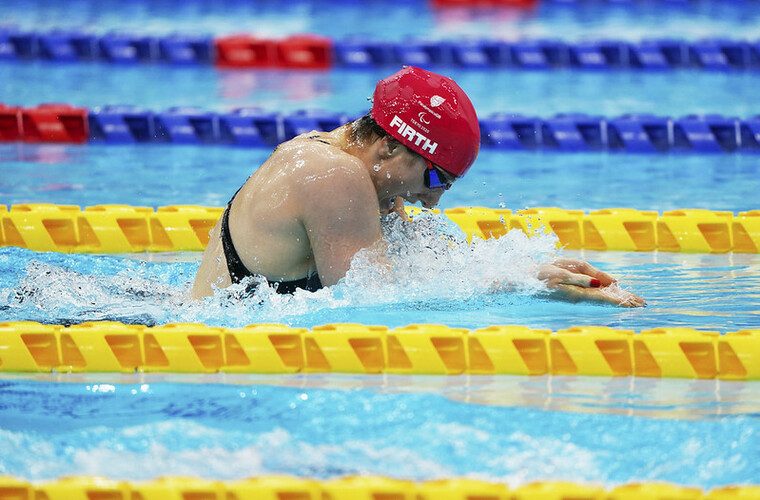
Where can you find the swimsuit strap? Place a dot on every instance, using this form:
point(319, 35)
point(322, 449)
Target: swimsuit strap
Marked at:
point(316, 138)
point(235, 266)
point(238, 271)
point(311, 283)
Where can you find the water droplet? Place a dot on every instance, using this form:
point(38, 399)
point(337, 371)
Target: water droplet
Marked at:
point(377, 167)
point(388, 175)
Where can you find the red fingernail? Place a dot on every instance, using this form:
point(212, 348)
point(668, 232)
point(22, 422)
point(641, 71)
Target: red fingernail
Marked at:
point(595, 283)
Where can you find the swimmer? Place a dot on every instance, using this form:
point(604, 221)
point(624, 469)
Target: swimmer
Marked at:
point(303, 215)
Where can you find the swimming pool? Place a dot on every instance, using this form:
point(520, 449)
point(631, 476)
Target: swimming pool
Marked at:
point(514, 430)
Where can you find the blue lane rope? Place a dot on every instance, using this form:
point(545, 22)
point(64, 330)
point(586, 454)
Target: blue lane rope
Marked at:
point(363, 52)
point(255, 127)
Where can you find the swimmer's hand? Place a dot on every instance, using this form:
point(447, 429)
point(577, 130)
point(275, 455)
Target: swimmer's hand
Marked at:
point(576, 280)
point(398, 208)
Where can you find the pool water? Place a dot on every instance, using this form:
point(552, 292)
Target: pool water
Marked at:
point(574, 21)
point(708, 292)
point(513, 429)
point(535, 93)
point(326, 427)
point(209, 176)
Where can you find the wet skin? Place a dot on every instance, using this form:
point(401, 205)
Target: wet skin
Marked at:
point(315, 203)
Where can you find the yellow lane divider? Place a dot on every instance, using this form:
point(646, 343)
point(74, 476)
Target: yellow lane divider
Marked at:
point(361, 349)
point(120, 228)
point(351, 488)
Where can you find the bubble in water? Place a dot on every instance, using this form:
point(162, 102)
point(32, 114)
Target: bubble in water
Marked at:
point(431, 257)
point(426, 260)
point(52, 293)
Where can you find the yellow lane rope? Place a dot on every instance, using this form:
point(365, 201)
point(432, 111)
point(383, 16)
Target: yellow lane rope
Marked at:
point(351, 488)
point(121, 228)
point(360, 349)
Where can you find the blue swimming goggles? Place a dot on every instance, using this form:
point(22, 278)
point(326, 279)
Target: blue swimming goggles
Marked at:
point(435, 177)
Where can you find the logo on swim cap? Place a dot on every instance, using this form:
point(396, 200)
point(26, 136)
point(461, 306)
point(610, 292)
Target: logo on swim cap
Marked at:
point(412, 135)
point(400, 107)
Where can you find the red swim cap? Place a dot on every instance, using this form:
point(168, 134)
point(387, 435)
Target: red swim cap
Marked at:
point(431, 115)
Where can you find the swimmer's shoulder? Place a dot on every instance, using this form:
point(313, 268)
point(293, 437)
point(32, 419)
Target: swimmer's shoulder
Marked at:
point(317, 151)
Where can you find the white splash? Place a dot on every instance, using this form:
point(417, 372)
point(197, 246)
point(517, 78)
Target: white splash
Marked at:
point(427, 261)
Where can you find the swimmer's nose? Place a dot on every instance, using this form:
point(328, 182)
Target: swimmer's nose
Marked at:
point(430, 199)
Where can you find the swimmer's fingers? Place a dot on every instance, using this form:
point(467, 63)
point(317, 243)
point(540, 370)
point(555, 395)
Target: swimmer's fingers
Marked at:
point(583, 267)
point(633, 300)
point(576, 294)
point(398, 208)
point(554, 276)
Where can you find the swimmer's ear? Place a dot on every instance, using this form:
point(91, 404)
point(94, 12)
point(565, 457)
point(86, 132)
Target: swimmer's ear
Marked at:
point(390, 147)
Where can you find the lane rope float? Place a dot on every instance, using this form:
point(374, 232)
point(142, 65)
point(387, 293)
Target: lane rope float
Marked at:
point(124, 228)
point(255, 127)
point(110, 347)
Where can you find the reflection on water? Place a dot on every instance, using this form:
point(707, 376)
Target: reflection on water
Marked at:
point(507, 429)
point(630, 396)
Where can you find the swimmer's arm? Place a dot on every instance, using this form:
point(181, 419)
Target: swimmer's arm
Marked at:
point(339, 213)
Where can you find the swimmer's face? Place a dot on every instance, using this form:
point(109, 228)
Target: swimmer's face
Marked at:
point(430, 182)
point(437, 178)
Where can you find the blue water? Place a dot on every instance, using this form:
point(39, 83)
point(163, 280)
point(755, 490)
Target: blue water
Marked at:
point(535, 93)
point(325, 427)
point(512, 429)
point(582, 20)
point(707, 292)
point(208, 176)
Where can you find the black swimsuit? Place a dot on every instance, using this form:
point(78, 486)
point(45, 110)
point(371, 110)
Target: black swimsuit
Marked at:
point(237, 269)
